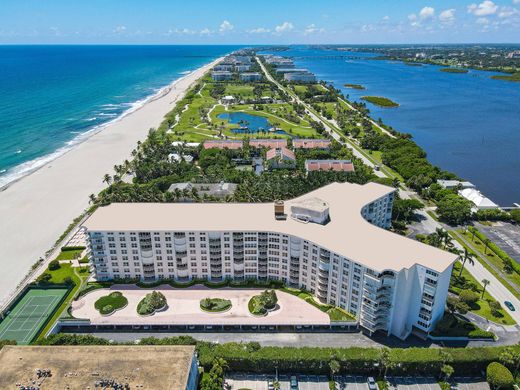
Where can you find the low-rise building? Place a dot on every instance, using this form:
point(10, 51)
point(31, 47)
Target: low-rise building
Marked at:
point(251, 77)
point(329, 165)
point(99, 367)
point(269, 143)
point(189, 192)
point(226, 100)
point(221, 75)
point(176, 157)
point(242, 68)
point(223, 144)
point(311, 143)
point(303, 77)
point(280, 158)
point(452, 184)
point(224, 68)
point(331, 242)
point(186, 144)
point(479, 200)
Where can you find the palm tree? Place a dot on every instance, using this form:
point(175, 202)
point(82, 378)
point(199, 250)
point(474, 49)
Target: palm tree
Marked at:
point(107, 179)
point(485, 283)
point(487, 241)
point(467, 256)
point(92, 198)
point(334, 367)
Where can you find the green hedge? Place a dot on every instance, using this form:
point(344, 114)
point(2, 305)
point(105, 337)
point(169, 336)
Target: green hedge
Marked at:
point(72, 248)
point(249, 357)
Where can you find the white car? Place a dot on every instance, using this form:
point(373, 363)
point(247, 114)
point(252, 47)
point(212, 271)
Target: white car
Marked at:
point(371, 382)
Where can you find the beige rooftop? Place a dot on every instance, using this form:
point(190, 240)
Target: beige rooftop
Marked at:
point(79, 367)
point(347, 234)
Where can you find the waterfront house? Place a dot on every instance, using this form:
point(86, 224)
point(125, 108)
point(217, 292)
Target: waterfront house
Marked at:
point(479, 200)
point(303, 77)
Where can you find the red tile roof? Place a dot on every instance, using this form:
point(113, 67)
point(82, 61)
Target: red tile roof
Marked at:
point(329, 165)
point(268, 143)
point(223, 144)
point(280, 152)
point(311, 143)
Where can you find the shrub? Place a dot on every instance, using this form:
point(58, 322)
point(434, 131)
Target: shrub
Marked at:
point(151, 303)
point(469, 297)
point(72, 248)
point(109, 303)
point(215, 304)
point(495, 307)
point(54, 265)
point(499, 376)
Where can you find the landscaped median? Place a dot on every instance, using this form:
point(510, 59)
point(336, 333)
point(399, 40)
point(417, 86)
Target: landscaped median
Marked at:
point(110, 303)
point(260, 304)
point(452, 326)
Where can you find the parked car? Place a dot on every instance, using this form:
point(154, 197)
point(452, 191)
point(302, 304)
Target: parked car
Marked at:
point(294, 383)
point(509, 305)
point(371, 382)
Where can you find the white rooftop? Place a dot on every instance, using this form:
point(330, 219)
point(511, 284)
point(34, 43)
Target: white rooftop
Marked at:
point(347, 233)
point(455, 183)
point(476, 197)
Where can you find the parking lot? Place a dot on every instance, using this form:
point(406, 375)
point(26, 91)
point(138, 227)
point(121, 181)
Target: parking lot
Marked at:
point(349, 382)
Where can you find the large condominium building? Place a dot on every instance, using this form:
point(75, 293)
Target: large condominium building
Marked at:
point(331, 241)
point(301, 77)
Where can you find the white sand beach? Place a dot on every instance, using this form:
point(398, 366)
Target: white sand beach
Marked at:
point(36, 210)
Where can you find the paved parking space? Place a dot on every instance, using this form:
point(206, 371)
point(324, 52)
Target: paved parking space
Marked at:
point(470, 384)
point(351, 383)
point(259, 382)
point(413, 383)
point(506, 236)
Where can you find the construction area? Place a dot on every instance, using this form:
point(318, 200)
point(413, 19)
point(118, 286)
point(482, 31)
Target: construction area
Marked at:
point(98, 367)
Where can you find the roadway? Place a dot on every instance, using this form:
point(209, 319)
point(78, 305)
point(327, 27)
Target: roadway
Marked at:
point(495, 288)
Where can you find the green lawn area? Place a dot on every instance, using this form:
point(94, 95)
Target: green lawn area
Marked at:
point(453, 70)
point(69, 254)
point(482, 306)
point(452, 326)
point(336, 314)
point(493, 259)
point(215, 305)
point(110, 303)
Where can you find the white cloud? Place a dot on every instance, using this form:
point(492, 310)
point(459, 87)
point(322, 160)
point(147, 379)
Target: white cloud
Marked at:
point(486, 8)
point(482, 21)
point(427, 13)
point(507, 12)
point(180, 31)
point(284, 27)
point(447, 16)
point(226, 26)
point(387, 18)
point(367, 28)
point(312, 29)
point(516, 1)
point(205, 31)
point(259, 30)
point(120, 29)
point(412, 17)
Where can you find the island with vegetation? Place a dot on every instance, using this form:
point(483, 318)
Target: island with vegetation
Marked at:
point(454, 70)
point(507, 77)
point(380, 101)
point(260, 304)
point(152, 303)
point(110, 303)
point(355, 86)
point(215, 305)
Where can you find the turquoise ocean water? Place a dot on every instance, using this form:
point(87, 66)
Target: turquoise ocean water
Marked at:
point(53, 97)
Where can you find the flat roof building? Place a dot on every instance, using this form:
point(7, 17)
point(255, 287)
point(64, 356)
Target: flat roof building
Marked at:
point(215, 190)
point(339, 251)
point(311, 143)
point(251, 77)
point(221, 75)
point(92, 367)
point(450, 184)
point(478, 199)
point(223, 144)
point(268, 143)
point(302, 77)
point(329, 165)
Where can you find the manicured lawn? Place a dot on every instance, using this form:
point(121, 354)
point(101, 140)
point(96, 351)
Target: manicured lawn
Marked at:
point(336, 314)
point(111, 302)
point(482, 306)
point(452, 326)
point(69, 254)
point(215, 305)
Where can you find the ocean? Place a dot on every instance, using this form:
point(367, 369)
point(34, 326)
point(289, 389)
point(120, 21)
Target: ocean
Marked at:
point(468, 123)
point(53, 97)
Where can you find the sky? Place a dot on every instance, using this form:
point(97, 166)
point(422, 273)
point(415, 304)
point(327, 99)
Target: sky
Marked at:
point(258, 22)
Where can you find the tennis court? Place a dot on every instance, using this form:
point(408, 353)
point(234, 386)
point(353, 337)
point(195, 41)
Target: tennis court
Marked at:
point(30, 314)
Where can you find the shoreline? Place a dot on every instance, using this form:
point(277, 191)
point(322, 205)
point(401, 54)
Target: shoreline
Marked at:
point(38, 207)
point(85, 136)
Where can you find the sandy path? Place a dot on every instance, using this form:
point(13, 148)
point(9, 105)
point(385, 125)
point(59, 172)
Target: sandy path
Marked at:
point(35, 210)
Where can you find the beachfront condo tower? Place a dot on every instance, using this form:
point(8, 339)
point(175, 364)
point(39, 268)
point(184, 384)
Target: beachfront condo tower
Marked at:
point(332, 242)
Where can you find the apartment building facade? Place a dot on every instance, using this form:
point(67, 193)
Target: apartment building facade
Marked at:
point(308, 247)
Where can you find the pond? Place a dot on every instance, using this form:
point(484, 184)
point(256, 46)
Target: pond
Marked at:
point(249, 123)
